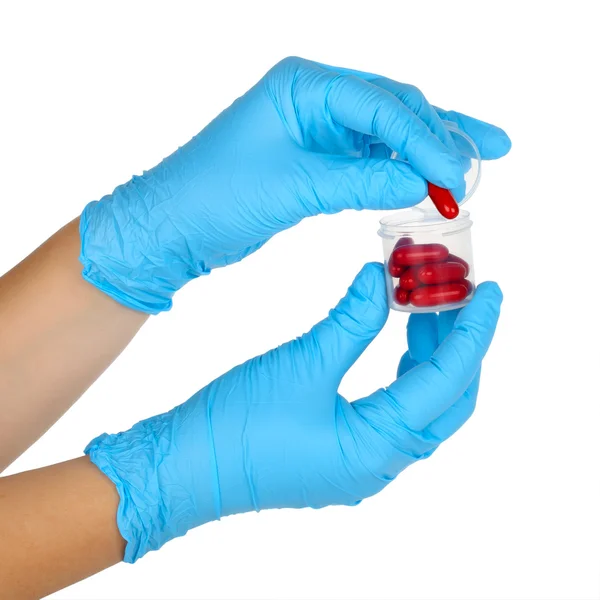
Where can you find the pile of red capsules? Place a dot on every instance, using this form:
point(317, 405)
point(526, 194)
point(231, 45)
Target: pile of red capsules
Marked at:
point(428, 274)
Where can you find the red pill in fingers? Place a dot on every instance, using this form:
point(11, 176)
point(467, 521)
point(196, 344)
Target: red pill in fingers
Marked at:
point(409, 280)
point(401, 296)
point(419, 254)
point(443, 272)
point(462, 261)
point(438, 295)
point(443, 201)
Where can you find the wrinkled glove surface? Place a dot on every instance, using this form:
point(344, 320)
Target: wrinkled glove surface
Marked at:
point(274, 432)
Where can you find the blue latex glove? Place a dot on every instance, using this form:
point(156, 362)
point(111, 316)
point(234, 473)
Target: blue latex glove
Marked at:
point(304, 140)
point(274, 432)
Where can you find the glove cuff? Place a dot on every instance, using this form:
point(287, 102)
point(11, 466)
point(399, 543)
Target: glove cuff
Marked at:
point(140, 273)
point(164, 489)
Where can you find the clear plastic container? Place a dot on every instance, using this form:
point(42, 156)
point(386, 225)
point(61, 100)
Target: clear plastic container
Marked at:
point(429, 259)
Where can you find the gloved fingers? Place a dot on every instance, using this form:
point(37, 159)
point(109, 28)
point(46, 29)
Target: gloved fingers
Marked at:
point(422, 335)
point(342, 337)
point(429, 389)
point(368, 109)
point(380, 414)
point(379, 150)
point(413, 98)
point(344, 71)
point(457, 415)
point(425, 332)
point(446, 320)
point(406, 364)
point(491, 141)
point(339, 183)
point(426, 391)
point(459, 191)
point(409, 95)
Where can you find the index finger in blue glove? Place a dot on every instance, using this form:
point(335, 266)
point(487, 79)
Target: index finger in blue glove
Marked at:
point(429, 389)
point(446, 320)
point(491, 141)
point(371, 110)
point(422, 336)
point(423, 340)
point(425, 332)
point(412, 97)
point(408, 94)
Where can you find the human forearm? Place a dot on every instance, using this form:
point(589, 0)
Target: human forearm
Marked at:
point(58, 335)
point(57, 526)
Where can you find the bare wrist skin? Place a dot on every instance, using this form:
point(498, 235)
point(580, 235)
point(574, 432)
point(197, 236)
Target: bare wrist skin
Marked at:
point(59, 334)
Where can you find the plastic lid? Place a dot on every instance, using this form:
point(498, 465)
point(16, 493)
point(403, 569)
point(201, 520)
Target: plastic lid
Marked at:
point(468, 153)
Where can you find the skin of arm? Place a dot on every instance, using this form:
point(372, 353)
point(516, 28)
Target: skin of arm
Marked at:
point(58, 334)
point(50, 518)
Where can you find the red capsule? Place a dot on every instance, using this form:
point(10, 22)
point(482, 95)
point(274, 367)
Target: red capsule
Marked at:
point(418, 254)
point(401, 296)
point(444, 272)
point(443, 200)
point(395, 270)
point(409, 280)
point(462, 261)
point(404, 241)
point(437, 295)
point(469, 285)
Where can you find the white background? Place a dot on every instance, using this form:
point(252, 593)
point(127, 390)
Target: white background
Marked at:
point(507, 509)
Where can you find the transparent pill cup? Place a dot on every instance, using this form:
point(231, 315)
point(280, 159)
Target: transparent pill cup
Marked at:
point(428, 258)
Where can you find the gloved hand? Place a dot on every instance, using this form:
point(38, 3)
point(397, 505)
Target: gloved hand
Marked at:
point(274, 432)
point(305, 140)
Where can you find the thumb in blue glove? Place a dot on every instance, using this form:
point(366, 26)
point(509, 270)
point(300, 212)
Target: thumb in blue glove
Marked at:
point(274, 432)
